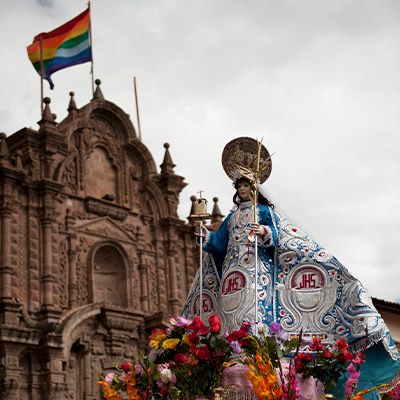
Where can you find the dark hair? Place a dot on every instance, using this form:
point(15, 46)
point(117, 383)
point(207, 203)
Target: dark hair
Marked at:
point(261, 199)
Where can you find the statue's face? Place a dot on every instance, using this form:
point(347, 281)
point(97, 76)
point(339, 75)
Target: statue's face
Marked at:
point(244, 190)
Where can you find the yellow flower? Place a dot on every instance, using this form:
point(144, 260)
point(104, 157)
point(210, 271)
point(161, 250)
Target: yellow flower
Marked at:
point(170, 344)
point(155, 343)
point(185, 339)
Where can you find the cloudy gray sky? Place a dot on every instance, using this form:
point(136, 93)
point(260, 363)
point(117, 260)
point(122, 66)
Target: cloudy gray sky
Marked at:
point(318, 80)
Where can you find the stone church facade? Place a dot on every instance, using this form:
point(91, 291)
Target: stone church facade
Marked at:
point(93, 253)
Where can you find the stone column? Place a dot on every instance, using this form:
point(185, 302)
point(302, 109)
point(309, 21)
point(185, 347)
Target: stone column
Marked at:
point(144, 298)
point(5, 267)
point(73, 280)
point(173, 284)
point(47, 277)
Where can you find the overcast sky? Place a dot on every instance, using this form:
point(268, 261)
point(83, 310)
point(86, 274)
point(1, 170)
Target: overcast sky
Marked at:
point(318, 80)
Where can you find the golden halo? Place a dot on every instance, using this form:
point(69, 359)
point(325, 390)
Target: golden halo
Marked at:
point(242, 152)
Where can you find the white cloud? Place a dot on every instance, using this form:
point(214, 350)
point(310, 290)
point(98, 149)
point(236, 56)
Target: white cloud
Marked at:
point(318, 80)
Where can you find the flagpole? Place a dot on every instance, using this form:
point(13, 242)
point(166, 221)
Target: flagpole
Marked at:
point(91, 47)
point(137, 109)
point(41, 76)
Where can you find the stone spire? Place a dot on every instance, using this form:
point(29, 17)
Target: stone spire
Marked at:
point(48, 120)
point(170, 183)
point(216, 213)
point(5, 159)
point(192, 199)
point(72, 105)
point(167, 164)
point(98, 93)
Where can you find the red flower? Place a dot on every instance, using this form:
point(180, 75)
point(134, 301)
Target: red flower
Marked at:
point(327, 354)
point(125, 367)
point(245, 326)
point(341, 345)
point(215, 325)
point(345, 357)
point(196, 324)
point(180, 358)
point(317, 346)
point(214, 319)
point(245, 342)
point(193, 338)
point(164, 390)
point(305, 357)
point(203, 330)
point(360, 358)
point(193, 348)
point(203, 353)
point(348, 356)
point(237, 335)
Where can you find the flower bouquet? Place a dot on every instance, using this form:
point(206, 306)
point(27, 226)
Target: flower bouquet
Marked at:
point(188, 358)
point(185, 360)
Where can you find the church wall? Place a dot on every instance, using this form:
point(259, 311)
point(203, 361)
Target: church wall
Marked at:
point(83, 279)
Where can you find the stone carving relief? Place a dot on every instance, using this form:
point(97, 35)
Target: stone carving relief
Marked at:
point(18, 255)
point(70, 174)
point(82, 249)
point(62, 270)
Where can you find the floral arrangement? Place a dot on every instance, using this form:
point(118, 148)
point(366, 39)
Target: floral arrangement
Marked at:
point(187, 359)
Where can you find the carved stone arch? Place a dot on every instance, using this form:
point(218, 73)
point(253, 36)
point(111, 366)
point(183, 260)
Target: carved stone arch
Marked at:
point(67, 172)
point(104, 110)
point(78, 330)
point(137, 151)
point(155, 199)
point(110, 275)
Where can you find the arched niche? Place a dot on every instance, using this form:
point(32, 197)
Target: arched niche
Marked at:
point(101, 175)
point(110, 275)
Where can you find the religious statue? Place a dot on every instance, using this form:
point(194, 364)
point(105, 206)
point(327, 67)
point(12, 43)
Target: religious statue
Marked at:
point(261, 268)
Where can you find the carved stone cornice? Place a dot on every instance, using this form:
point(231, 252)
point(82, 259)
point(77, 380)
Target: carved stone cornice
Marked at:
point(103, 208)
point(120, 320)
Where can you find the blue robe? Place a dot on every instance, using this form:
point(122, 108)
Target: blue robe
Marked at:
point(299, 285)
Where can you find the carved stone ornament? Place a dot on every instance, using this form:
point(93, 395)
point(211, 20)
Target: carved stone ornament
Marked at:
point(99, 207)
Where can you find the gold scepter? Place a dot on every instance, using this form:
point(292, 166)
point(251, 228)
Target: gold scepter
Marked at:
point(200, 214)
point(253, 175)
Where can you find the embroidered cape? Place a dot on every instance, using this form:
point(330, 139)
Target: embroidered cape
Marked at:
point(299, 284)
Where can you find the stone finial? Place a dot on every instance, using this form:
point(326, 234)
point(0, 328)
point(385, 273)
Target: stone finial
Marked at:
point(216, 213)
point(3, 145)
point(18, 160)
point(192, 199)
point(5, 159)
point(167, 164)
point(47, 115)
point(72, 105)
point(98, 94)
point(48, 119)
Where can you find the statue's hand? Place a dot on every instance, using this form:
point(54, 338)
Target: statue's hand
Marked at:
point(203, 231)
point(259, 230)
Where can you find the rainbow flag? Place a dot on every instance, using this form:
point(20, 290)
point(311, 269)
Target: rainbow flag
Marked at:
point(63, 47)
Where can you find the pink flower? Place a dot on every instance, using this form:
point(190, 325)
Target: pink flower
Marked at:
point(236, 348)
point(180, 321)
point(109, 378)
point(275, 327)
point(173, 379)
point(138, 369)
point(354, 374)
point(283, 336)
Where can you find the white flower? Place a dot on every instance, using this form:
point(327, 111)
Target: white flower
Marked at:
point(165, 375)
